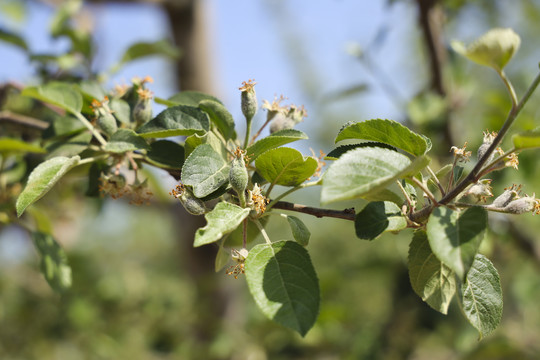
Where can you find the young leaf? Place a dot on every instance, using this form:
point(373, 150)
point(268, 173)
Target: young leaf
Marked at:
point(223, 219)
point(220, 116)
point(388, 132)
point(378, 217)
point(144, 49)
point(205, 170)
point(166, 154)
point(494, 49)
point(8, 145)
point(174, 121)
point(189, 98)
point(42, 179)
point(481, 296)
point(366, 170)
point(121, 110)
point(433, 281)
point(54, 265)
point(222, 258)
point(284, 284)
point(124, 140)
point(300, 232)
point(527, 140)
point(285, 166)
point(65, 96)
point(273, 141)
point(455, 236)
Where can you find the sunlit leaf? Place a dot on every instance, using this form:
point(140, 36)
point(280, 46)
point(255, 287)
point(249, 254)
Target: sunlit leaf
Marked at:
point(378, 217)
point(188, 97)
point(494, 49)
point(388, 132)
point(65, 96)
point(433, 281)
point(366, 170)
point(42, 179)
point(481, 296)
point(342, 149)
point(273, 141)
point(285, 166)
point(71, 146)
point(224, 218)
point(283, 282)
point(455, 236)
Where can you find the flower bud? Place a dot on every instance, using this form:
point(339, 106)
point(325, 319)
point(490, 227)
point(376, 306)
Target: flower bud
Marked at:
point(481, 190)
point(281, 122)
point(522, 205)
point(238, 176)
point(249, 99)
point(504, 199)
point(142, 112)
point(104, 116)
point(192, 204)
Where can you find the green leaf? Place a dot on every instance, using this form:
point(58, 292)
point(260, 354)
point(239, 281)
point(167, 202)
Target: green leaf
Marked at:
point(283, 282)
point(388, 132)
point(455, 236)
point(222, 258)
point(273, 141)
point(208, 138)
point(378, 217)
point(124, 140)
point(220, 116)
point(175, 121)
point(432, 280)
point(285, 166)
point(10, 146)
point(365, 171)
point(54, 264)
point(42, 179)
point(71, 146)
point(13, 39)
point(189, 98)
point(494, 49)
point(300, 232)
point(92, 90)
point(223, 219)
point(65, 96)
point(166, 154)
point(481, 296)
point(121, 110)
point(527, 140)
point(342, 149)
point(205, 170)
point(144, 49)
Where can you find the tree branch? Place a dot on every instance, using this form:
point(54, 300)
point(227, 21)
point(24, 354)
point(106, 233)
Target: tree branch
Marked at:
point(347, 214)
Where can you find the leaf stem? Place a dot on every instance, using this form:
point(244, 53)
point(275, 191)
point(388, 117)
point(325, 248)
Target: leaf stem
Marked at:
point(263, 232)
point(509, 87)
point(436, 180)
point(90, 127)
point(425, 190)
point(407, 198)
point(301, 186)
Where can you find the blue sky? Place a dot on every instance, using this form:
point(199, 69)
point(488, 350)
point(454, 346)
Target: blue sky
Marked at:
point(249, 40)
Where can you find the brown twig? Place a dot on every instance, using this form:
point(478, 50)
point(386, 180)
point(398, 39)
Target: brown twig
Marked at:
point(347, 214)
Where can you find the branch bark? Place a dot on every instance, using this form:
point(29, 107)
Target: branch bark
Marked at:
point(347, 214)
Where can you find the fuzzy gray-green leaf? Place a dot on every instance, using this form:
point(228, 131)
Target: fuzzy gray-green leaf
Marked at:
point(175, 121)
point(42, 179)
point(205, 170)
point(223, 219)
